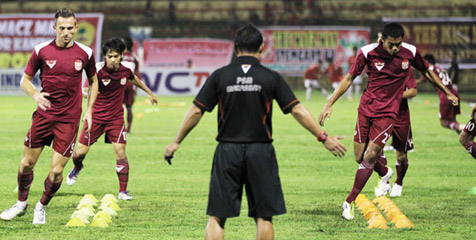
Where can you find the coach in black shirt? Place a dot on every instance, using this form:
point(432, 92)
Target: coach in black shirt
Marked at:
point(244, 92)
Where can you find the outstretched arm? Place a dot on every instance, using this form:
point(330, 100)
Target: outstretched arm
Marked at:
point(345, 83)
point(304, 117)
point(410, 93)
point(192, 117)
point(436, 81)
point(39, 97)
point(141, 85)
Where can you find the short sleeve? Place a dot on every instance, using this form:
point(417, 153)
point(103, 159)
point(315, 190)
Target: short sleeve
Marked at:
point(33, 64)
point(358, 65)
point(411, 83)
point(90, 67)
point(207, 97)
point(284, 96)
point(419, 62)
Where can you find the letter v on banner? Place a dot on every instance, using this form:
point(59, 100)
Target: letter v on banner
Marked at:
point(155, 86)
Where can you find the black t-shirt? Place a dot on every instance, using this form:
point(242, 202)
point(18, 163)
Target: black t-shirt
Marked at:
point(454, 68)
point(244, 92)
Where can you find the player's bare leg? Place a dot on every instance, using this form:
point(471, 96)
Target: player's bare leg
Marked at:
point(264, 229)
point(467, 140)
point(122, 170)
point(401, 166)
point(78, 157)
point(25, 178)
point(215, 229)
point(52, 184)
point(452, 124)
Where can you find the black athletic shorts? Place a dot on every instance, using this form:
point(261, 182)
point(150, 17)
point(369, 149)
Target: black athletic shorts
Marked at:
point(253, 165)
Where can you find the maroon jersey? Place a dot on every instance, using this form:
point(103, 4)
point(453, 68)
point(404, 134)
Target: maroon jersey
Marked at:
point(403, 117)
point(445, 79)
point(312, 72)
point(129, 57)
point(387, 75)
point(335, 73)
point(108, 106)
point(61, 74)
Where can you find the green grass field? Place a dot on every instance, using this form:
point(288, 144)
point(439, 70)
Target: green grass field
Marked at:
point(170, 201)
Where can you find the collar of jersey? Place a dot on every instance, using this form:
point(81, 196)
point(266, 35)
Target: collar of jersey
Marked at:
point(246, 59)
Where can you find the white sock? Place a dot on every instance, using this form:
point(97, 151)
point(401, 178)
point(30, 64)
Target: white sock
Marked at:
point(39, 205)
point(21, 204)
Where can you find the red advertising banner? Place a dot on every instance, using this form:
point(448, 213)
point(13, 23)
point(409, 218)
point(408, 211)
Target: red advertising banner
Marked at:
point(290, 50)
point(178, 52)
point(439, 36)
point(20, 33)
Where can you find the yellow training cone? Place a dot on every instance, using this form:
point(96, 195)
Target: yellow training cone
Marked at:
point(378, 224)
point(86, 211)
point(370, 209)
point(89, 201)
point(360, 197)
point(109, 196)
point(379, 199)
point(104, 215)
point(377, 218)
point(391, 214)
point(365, 205)
point(403, 223)
point(110, 211)
point(75, 222)
point(99, 222)
point(370, 215)
point(112, 205)
point(397, 218)
point(81, 216)
point(85, 205)
point(90, 196)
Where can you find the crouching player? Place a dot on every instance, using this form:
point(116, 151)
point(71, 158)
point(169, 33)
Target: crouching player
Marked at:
point(108, 113)
point(466, 138)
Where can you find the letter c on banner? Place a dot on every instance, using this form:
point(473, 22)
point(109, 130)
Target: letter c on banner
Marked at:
point(168, 82)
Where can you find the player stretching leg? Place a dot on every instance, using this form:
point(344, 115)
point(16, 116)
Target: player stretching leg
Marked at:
point(388, 63)
point(56, 120)
point(108, 113)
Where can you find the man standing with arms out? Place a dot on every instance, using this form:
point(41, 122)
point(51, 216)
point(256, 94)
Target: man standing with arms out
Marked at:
point(130, 92)
point(244, 92)
point(108, 113)
point(388, 63)
point(448, 112)
point(311, 75)
point(61, 63)
point(466, 138)
point(454, 69)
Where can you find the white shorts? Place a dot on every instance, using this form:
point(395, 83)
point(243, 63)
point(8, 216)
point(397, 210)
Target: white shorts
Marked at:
point(311, 83)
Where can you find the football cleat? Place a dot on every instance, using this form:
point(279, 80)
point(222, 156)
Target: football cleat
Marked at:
point(39, 214)
point(72, 177)
point(383, 186)
point(124, 195)
point(15, 211)
point(396, 190)
point(348, 210)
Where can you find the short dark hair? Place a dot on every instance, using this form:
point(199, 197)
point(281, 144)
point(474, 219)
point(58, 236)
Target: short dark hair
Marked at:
point(128, 42)
point(394, 30)
point(430, 58)
point(248, 39)
point(65, 13)
point(113, 44)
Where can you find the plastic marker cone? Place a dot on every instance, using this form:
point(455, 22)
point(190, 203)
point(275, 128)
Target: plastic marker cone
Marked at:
point(85, 205)
point(110, 211)
point(377, 218)
point(365, 205)
point(86, 211)
point(104, 215)
point(81, 216)
point(370, 215)
point(91, 197)
point(360, 197)
point(88, 201)
point(75, 222)
point(403, 223)
point(109, 196)
point(112, 205)
point(398, 218)
point(99, 222)
point(378, 224)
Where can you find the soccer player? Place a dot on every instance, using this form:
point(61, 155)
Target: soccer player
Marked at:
point(335, 76)
point(61, 62)
point(130, 92)
point(357, 83)
point(244, 91)
point(448, 112)
point(466, 137)
point(402, 142)
point(108, 113)
point(311, 75)
point(388, 63)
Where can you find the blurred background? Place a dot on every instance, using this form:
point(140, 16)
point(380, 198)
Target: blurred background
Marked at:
point(187, 39)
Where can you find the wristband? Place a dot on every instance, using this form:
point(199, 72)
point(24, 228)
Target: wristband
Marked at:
point(322, 136)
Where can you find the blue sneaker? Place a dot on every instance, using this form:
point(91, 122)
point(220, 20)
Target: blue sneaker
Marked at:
point(72, 177)
point(124, 195)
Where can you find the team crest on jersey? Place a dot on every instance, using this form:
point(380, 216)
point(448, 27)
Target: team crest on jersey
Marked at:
point(379, 65)
point(78, 65)
point(123, 81)
point(51, 63)
point(106, 81)
point(405, 64)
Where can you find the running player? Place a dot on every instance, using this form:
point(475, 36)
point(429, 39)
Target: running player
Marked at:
point(61, 63)
point(311, 75)
point(130, 92)
point(108, 113)
point(448, 112)
point(388, 63)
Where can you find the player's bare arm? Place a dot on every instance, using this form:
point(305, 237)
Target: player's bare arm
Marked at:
point(93, 93)
point(304, 117)
point(137, 82)
point(410, 93)
point(39, 97)
point(192, 117)
point(345, 83)
point(436, 81)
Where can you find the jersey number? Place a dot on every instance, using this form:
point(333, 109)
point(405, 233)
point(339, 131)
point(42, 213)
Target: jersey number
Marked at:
point(470, 126)
point(384, 141)
point(124, 134)
point(445, 79)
